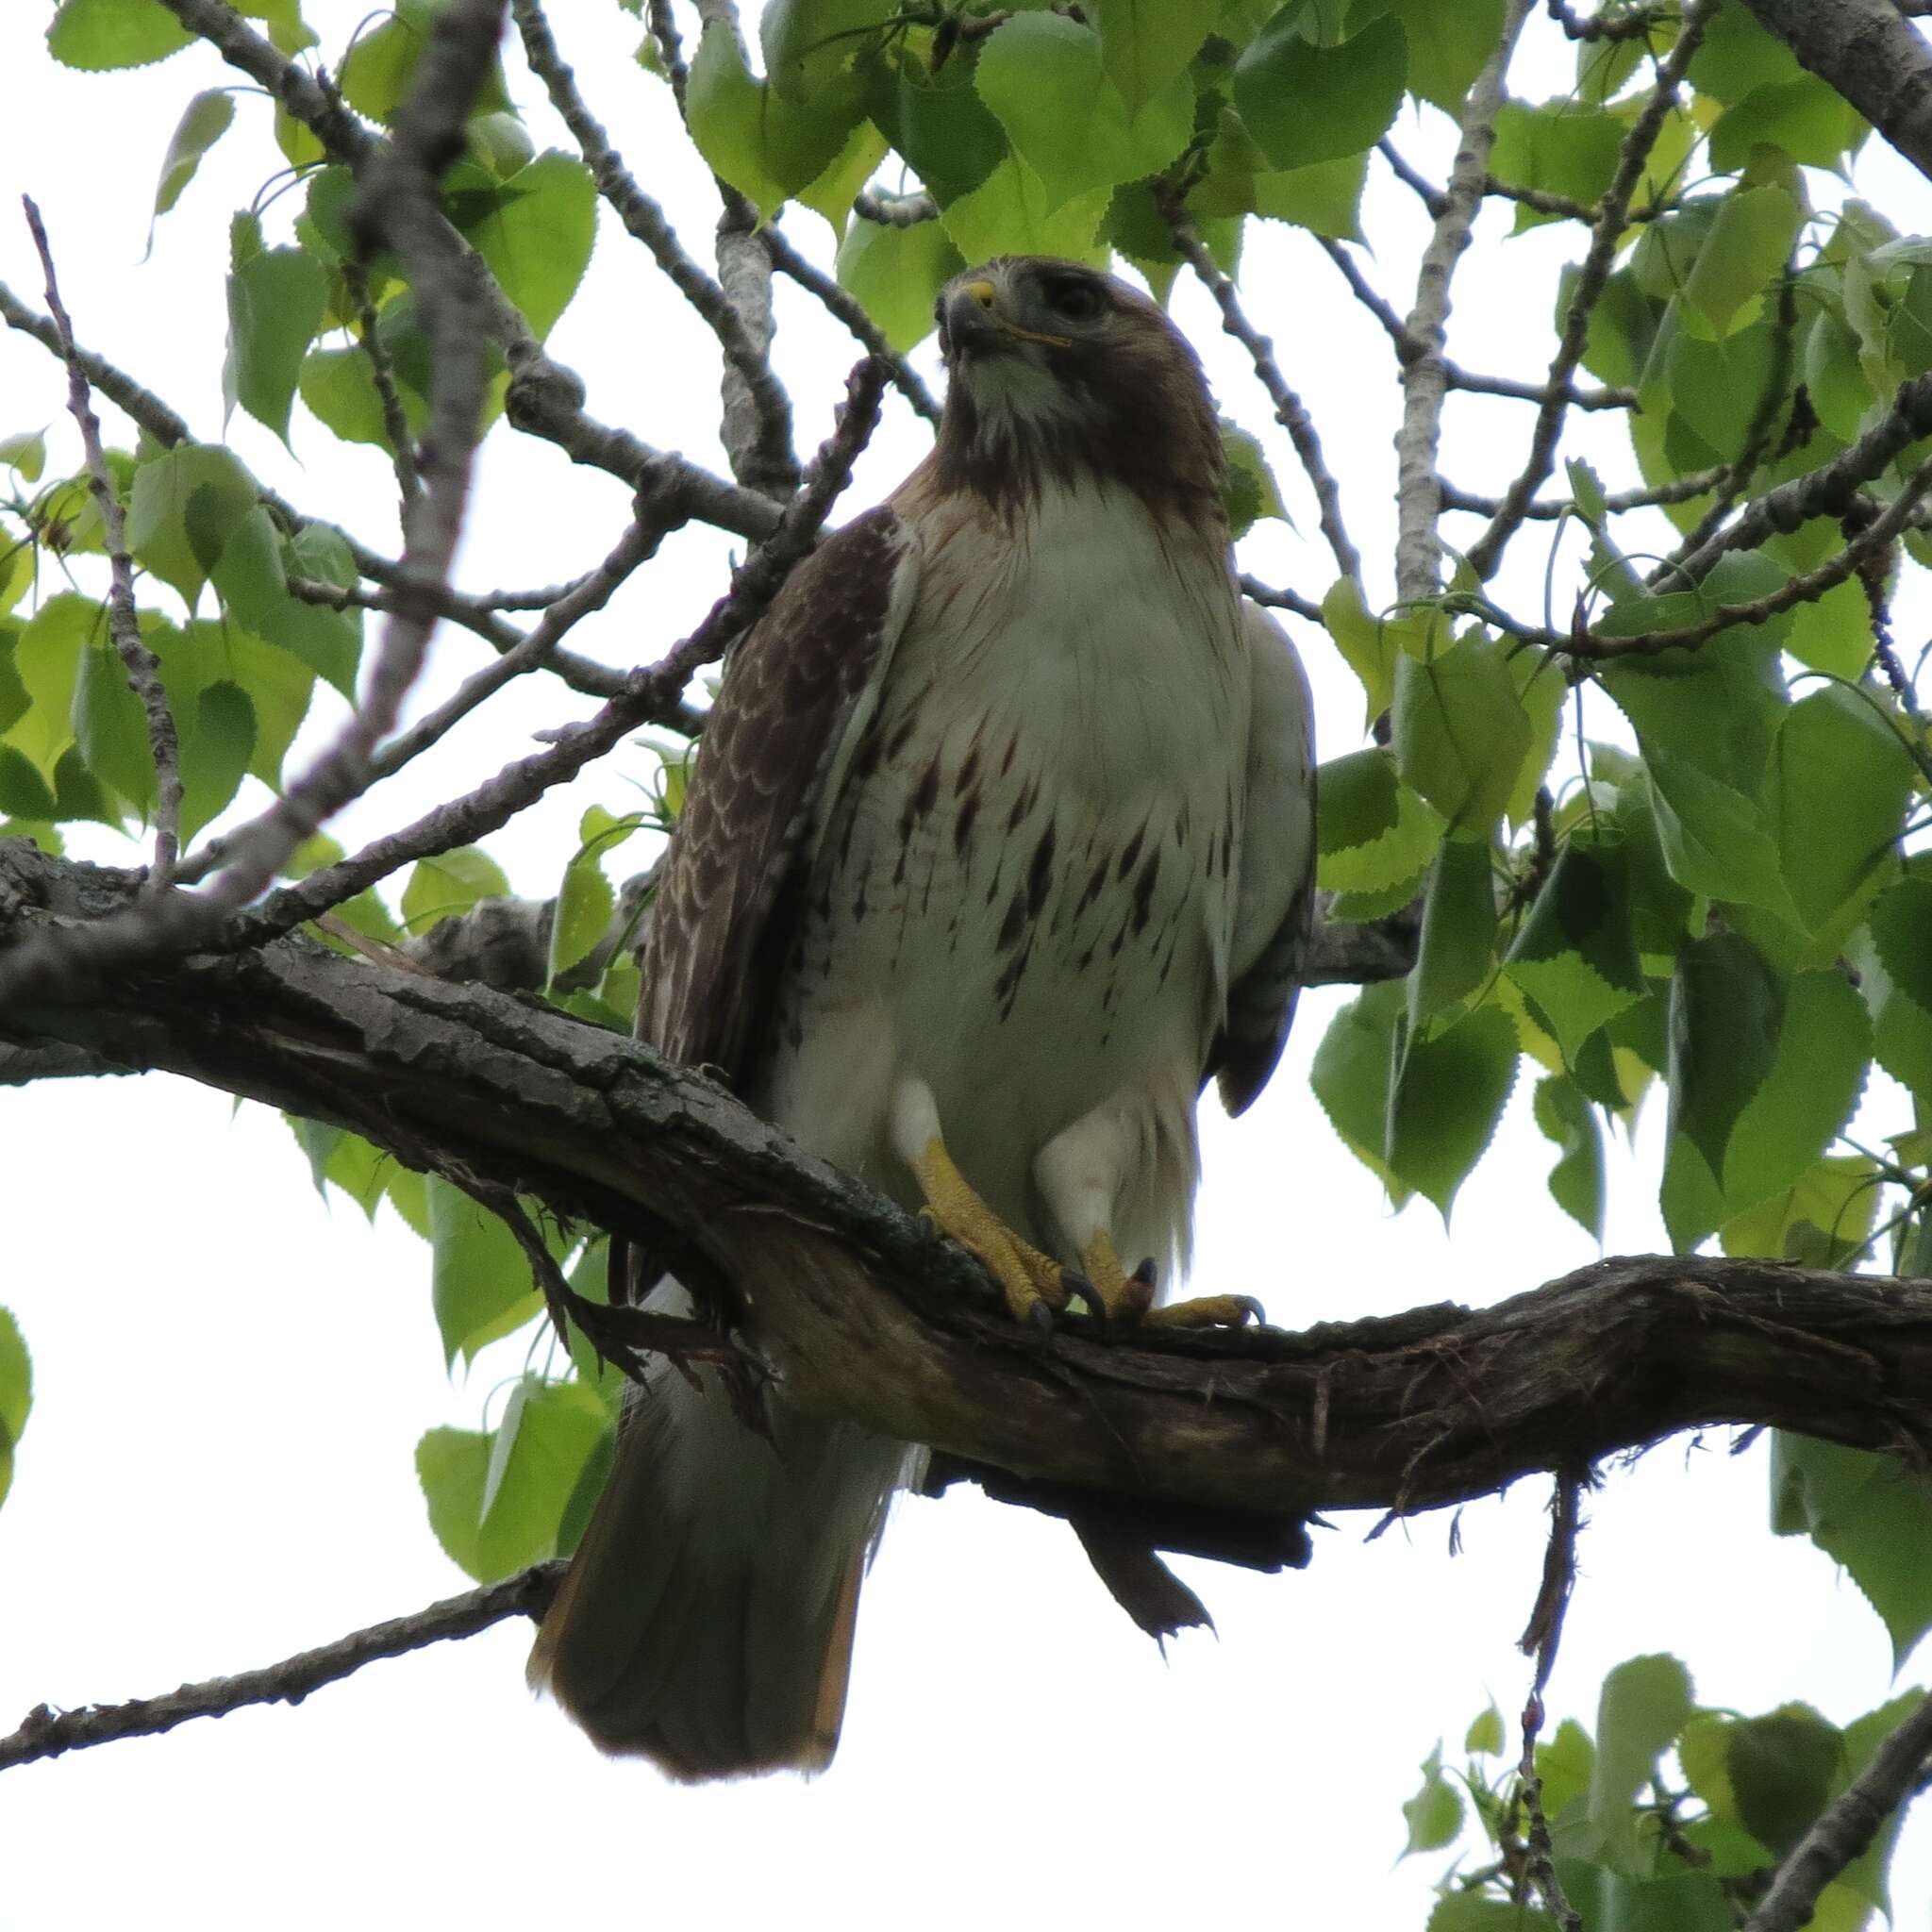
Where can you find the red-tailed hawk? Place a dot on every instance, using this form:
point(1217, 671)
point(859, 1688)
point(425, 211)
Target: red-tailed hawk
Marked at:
point(999, 846)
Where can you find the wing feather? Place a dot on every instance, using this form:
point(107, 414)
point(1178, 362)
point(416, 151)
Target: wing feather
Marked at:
point(1275, 911)
point(722, 923)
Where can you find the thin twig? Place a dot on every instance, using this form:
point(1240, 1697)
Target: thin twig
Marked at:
point(1409, 348)
point(647, 693)
point(1424, 379)
point(1540, 1639)
point(1846, 1825)
point(1544, 203)
point(1678, 490)
point(47, 1733)
point(142, 667)
point(669, 50)
point(395, 423)
point(1426, 192)
point(1613, 23)
point(848, 310)
point(1280, 600)
point(644, 219)
point(1290, 410)
point(1613, 217)
point(895, 210)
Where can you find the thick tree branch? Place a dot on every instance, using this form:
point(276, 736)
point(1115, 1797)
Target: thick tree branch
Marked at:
point(861, 1312)
point(48, 1733)
point(1871, 54)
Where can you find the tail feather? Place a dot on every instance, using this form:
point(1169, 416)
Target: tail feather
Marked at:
point(707, 1620)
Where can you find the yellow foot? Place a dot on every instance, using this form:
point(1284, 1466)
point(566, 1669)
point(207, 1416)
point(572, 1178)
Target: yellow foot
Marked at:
point(1130, 1297)
point(1035, 1284)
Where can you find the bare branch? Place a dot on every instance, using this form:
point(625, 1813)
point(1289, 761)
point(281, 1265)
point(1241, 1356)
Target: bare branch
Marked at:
point(1678, 490)
point(1613, 217)
point(1424, 379)
point(1544, 203)
point(1280, 600)
point(47, 1733)
point(770, 465)
point(849, 310)
point(1615, 23)
point(1290, 410)
point(143, 405)
point(1829, 491)
point(1846, 1825)
point(1540, 1639)
point(1409, 348)
point(396, 424)
point(895, 210)
point(647, 693)
point(1425, 190)
point(142, 667)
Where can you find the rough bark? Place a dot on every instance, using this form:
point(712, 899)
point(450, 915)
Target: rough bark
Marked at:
point(860, 1310)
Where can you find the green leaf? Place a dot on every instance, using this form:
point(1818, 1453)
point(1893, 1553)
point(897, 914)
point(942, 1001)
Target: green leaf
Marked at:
point(27, 456)
point(1840, 780)
point(1041, 75)
point(1564, 1115)
point(1460, 732)
point(448, 885)
point(1727, 1009)
point(111, 728)
point(1373, 832)
point(897, 273)
point(217, 742)
point(585, 904)
point(1303, 103)
point(810, 45)
point(1448, 45)
point(1249, 492)
point(1561, 148)
point(95, 34)
point(329, 642)
point(1821, 1221)
point(203, 123)
point(1869, 1514)
point(1449, 1092)
point(1365, 643)
point(46, 663)
point(1351, 1077)
point(1008, 213)
point(185, 505)
point(380, 66)
point(941, 126)
point(1434, 1813)
point(24, 794)
point(1485, 1734)
point(536, 229)
point(16, 1394)
point(1576, 953)
point(1145, 45)
point(278, 687)
point(1782, 1767)
point(338, 387)
point(1807, 118)
point(276, 300)
point(1458, 936)
point(1807, 1095)
point(1744, 253)
point(1643, 1706)
point(750, 135)
point(480, 1283)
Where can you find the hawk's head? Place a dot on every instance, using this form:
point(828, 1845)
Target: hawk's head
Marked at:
point(1059, 373)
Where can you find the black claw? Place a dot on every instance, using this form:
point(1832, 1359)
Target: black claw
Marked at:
point(1148, 1275)
point(1040, 1316)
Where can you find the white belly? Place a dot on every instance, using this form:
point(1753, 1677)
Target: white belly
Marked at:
point(1021, 892)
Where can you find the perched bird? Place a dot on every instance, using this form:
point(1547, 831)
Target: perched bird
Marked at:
point(999, 846)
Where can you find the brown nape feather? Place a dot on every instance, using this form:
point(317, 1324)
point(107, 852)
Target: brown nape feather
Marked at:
point(1137, 411)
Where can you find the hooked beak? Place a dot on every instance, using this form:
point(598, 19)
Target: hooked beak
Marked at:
point(975, 320)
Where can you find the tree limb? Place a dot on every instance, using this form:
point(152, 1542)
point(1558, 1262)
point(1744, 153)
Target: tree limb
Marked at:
point(861, 1312)
point(48, 1733)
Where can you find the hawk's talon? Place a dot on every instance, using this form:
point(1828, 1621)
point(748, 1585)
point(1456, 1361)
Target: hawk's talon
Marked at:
point(1129, 1298)
point(1035, 1284)
point(1208, 1311)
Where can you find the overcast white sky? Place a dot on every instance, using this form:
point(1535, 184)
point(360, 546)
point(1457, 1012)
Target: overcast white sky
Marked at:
point(230, 1377)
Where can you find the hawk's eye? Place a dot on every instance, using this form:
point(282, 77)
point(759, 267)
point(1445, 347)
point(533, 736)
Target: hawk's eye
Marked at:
point(1075, 299)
